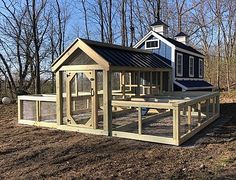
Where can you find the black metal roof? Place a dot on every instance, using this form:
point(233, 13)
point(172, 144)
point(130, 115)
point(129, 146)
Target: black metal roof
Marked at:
point(194, 83)
point(159, 22)
point(181, 45)
point(128, 57)
point(181, 34)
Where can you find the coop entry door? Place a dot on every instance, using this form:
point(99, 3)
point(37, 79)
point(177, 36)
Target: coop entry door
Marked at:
point(81, 99)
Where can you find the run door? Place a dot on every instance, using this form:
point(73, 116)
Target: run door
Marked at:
point(81, 99)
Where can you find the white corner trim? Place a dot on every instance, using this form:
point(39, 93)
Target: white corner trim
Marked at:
point(179, 74)
point(190, 58)
point(180, 85)
point(199, 68)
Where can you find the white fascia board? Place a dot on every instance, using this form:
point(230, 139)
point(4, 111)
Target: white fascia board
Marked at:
point(143, 39)
point(196, 88)
point(157, 36)
point(163, 39)
point(180, 85)
point(192, 79)
point(189, 52)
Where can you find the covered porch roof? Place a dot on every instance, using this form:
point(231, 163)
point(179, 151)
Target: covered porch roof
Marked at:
point(193, 84)
point(110, 56)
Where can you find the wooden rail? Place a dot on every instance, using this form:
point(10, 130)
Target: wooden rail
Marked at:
point(196, 110)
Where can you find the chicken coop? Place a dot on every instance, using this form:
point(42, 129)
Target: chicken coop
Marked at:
point(117, 91)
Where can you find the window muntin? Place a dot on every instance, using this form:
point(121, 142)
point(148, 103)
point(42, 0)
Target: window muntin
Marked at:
point(179, 64)
point(191, 66)
point(200, 68)
point(152, 44)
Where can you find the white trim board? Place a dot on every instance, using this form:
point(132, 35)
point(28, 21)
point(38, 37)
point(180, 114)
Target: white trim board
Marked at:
point(155, 35)
point(165, 41)
point(189, 52)
point(191, 58)
point(192, 79)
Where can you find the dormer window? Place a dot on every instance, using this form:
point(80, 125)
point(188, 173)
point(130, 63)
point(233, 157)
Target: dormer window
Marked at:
point(179, 64)
point(191, 66)
point(152, 44)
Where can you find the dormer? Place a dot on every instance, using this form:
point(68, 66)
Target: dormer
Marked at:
point(182, 37)
point(160, 27)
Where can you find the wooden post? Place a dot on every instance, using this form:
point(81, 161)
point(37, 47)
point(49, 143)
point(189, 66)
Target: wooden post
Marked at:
point(19, 104)
point(139, 120)
point(207, 109)
point(176, 125)
point(151, 82)
point(199, 113)
point(189, 118)
point(123, 84)
point(161, 82)
point(76, 93)
point(217, 104)
point(138, 83)
point(213, 105)
point(94, 100)
point(107, 97)
point(59, 105)
point(170, 83)
point(130, 80)
point(37, 111)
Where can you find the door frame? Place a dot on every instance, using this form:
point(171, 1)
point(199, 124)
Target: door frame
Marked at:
point(92, 76)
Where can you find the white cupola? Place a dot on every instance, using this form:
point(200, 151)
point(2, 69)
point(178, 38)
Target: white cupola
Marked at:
point(182, 37)
point(160, 27)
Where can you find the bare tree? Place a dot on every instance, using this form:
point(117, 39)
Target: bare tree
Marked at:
point(85, 18)
point(37, 15)
point(101, 22)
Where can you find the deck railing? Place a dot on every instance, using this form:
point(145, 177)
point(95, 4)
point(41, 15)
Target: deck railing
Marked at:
point(37, 108)
point(179, 116)
point(170, 118)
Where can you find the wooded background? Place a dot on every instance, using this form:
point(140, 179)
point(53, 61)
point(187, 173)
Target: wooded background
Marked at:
point(33, 33)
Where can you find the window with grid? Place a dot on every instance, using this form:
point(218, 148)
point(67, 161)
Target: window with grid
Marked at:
point(191, 66)
point(179, 65)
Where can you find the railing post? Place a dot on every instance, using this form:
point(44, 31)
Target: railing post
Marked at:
point(20, 103)
point(37, 110)
point(217, 104)
point(139, 120)
point(107, 106)
point(189, 118)
point(176, 125)
point(138, 83)
point(150, 82)
point(207, 109)
point(199, 113)
point(213, 105)
point(161, 82)
point(123, 83)
point(59, 98)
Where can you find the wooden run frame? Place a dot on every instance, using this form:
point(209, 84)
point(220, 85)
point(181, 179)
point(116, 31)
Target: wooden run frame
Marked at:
point(172, 102)
point(175, 107)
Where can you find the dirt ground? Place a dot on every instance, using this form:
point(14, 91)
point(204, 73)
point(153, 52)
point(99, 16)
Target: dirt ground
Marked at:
point(28, 152)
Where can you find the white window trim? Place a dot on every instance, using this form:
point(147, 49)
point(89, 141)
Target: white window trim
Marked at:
point(191, 58)
point(151, 41)
point(200, 68)
point(179, 74)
